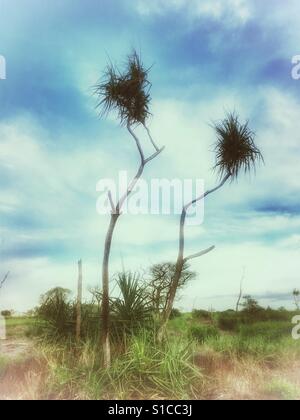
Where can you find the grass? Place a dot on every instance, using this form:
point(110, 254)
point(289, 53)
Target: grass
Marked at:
point(283, 390)
point(3, 364)
point(18, 326)
point(143, 371)
point(231, 365)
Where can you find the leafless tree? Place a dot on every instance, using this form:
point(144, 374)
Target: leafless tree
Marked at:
point(160, 281)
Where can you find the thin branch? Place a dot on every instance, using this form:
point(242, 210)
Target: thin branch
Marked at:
point(154, 155)
point(113, 207)
point(4, 280)
point(137, 143)
point(208, 192)
point(151, 138)
point(139, 172)
point(199, 254)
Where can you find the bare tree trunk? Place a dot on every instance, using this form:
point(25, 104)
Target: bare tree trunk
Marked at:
point(105, 293)
point(116, 212)
point(79, 302)
point(241, 292)
point(181, 260)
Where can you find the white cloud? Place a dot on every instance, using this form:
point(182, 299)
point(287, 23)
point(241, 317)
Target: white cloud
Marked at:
point(233, 11)
point(59, 187)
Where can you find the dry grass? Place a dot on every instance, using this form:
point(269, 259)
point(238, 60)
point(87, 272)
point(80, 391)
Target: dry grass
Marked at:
point(223, 368)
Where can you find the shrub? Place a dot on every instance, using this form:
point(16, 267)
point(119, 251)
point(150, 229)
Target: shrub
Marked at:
point(133, 309)
point(175, 313)
point(271, 331)
point(6, 314)
point(201, 333)
point(228, 321)
point(56, 310)
point(200, 314)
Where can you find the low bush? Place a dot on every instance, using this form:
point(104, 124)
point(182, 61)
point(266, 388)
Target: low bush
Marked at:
point(201, 315)
point(201, 333)
point(269, 330)
point(175, 313)
point(228, 321)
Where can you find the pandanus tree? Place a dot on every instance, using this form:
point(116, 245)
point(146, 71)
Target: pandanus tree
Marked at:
point(128, 93)
point(235, 152)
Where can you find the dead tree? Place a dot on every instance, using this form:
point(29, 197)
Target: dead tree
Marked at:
point(241, 291)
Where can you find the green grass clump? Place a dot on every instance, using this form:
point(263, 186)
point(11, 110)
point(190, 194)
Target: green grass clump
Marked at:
point(3, 364)
point(144, 370)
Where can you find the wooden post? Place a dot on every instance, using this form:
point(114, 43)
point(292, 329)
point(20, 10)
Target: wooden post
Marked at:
point(79, 301)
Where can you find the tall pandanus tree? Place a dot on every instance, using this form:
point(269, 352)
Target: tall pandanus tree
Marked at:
point(235, 152)
point(128, 93)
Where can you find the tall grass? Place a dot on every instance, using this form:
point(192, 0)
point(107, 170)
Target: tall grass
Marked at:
point(145, 370)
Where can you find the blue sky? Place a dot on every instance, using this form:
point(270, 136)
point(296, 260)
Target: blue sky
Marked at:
point(207, 57)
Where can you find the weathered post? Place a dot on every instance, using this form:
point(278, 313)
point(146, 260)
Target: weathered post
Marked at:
point(79, 301)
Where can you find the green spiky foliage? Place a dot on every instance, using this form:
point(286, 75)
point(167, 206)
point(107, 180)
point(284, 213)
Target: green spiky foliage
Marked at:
point(133, 307)
point(127, 92)
point(235, 148)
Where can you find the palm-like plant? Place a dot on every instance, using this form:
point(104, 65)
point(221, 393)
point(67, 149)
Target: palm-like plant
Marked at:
point(128, 93)
point(133, 307)
point(235, 151)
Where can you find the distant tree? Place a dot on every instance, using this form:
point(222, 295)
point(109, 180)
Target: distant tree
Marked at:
point(160, 282)
point(7, 313)
point(251, 305)
point(235, 152)
point(296, 295)
point(128, 93)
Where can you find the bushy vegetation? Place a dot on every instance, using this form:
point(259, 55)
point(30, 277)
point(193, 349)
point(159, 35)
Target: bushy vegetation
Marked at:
point(252, 313)
point(201, 333)
point(201, 315)
point(142, 367)
point(143, 370)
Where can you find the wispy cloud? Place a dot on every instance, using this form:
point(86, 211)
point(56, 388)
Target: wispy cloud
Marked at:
point(232, 11)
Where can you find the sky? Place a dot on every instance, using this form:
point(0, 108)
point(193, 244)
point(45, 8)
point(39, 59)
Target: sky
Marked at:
point(205, 58)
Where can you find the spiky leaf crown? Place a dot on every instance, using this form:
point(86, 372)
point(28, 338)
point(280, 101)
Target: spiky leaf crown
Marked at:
point(235, 148)
point(126, 92)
